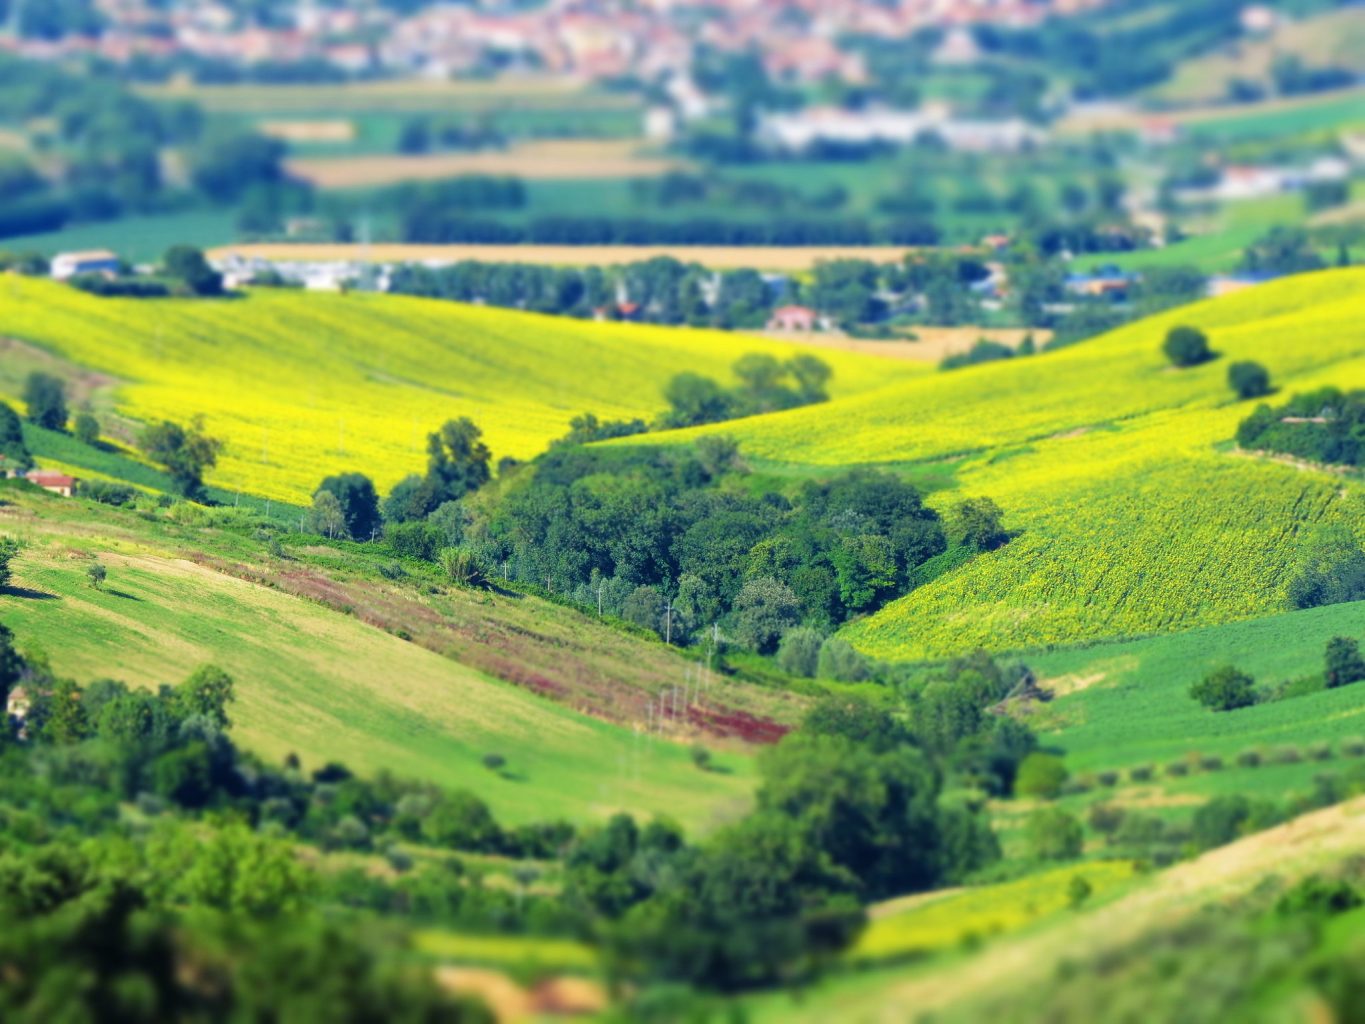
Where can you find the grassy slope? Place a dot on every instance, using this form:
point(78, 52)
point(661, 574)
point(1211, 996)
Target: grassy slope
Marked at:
point(957, 987)
point(306, 385)
point(1129, 518)
point(327, 686)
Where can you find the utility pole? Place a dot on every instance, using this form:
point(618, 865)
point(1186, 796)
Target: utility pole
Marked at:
point(668, 622)
point(600, 585)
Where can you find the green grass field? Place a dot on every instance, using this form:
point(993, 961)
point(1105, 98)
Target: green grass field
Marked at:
point(301, 386)
point(1130, 516)
point(324, 684)
point(143, 239)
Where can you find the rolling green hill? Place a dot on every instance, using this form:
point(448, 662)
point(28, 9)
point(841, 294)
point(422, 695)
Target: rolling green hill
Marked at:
point(301, 386)
point(1130, 513)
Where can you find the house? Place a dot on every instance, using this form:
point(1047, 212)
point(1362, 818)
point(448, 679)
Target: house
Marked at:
point(17, 707)
point(1227, 284)
point(53, 481)
point(95, 261)
point(797, 319)
point(1106, 282)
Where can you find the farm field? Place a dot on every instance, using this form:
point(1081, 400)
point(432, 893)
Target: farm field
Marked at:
point(546, 159)
point(143, 239)
point(395, 369)
point(1129, 516)
point(717, 257)
point(1296, 115)
point(322, 683)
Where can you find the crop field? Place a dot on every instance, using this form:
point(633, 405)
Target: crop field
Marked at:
point(937, 923)
point(142, 239)
point(547, 159)
point(302, 386)
point(1129, 517)
point(1296, 116)
point(315, 681)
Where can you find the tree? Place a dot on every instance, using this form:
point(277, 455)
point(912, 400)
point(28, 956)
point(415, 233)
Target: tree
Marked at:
point(1225, 689)
point(462, 568)
point(764, 610)
point(1052, 834)
point(461, 821)
point(187, 264)
point(359, 503)
point(97, 574)
point(11, 669)
point(977, 523)
point(9, 547)
point(186, 452)
point(840, 660)
point(457, 463)
point(207, 692)
point(1343, 663)
point(1186, 346)
point(1040, 775)
point(325, 516)
point(45, 396)
point(1249, 379)
point(14, 453)
point(799, 651)
point(694, 400)
point(87, 429)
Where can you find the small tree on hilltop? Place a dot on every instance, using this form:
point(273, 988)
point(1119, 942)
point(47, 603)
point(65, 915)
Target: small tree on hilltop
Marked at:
point(1225, 689)
point(1249, 380)
point(1187, 346)
point(1343, 663)
point(45, 397)
point(97, 574)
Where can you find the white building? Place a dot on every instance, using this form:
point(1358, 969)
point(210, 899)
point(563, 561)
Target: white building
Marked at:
point(95, 261)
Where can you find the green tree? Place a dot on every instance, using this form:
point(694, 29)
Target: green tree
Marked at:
point(14, 454)
point(1225, 689)
point(207, 693)
point(1052, 834)
point(866, 570)
point(1040, 775)
point(1343, 663)
point(978, 523)
point(187, 264)
point(11, 669)
point(1186, 346)
point(86, 428)
point(694, 399)
point(97, 574)
point(799, 651)
point(45, 397)
point(840, 660)
point(764, 610)
point(461, 821)
point(9, 548)
point(359, 503)
point(325, 517)
point(1249, 379)
point(185, 452)
point(457, 463)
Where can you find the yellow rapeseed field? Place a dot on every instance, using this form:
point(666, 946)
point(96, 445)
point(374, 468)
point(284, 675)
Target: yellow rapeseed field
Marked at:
point(303, 385)
point(1131, 514)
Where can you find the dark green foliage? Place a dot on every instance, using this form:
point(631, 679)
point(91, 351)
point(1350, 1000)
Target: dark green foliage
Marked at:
point(1040, 775)
point(1186, 346)
point(799, 651)
point(978, 523)
point(983, 351)
point(86, 428)
point(1283, 250)
point(1324, 426)
point(359, 503)
point(1225, 689)
point(766, 385)
point(418, 540)
point(587, 428)
point(1249, 380)
point(14, 454)
point(457, 464)
point(1342, 662)
point(9, 547)
point(185, 452)
point(45, 396)
point(764, 609)
point(187, 264)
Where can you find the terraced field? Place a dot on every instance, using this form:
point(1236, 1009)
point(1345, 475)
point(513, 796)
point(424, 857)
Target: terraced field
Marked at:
point(1130, 515)
point(301, 386)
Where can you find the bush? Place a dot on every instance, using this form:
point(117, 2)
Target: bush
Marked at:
point(1353, 746)
point(1249, 759)
point(413, 540)
point(1177, 769)
point(86, 428)
point(838, 660)
point(106, 492)
point(1320, 752)
point(1186, 346)
point(1249, 380)
point(462, 568)
point(1286, 755)
point(1211, 763)
point(1041, 775)
point(799, 652)
point(1106, 818)
point(1342, 662)
point(1052, 834)
point(494, 762)
point(1107, 779)
point(1225, 689)
point(1078, 890)
point(701, 757)
point(1141, 773)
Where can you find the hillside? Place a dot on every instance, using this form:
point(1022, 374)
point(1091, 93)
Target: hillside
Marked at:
point(316, 677)
point(1130, 515)
point(301, 386)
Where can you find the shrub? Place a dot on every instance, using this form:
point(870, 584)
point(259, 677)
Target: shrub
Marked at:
point(86, 428)
point(1052, 834)
point(1186, 346)
point(462, 568)
point(838, 660)
point(1177, 769)
point(1320, 752)
point(1211, 763)
point(701, 757)
point(413, 540)
point(1040, 775)
point(1106, 818)
point(1219, 821)
point(1286, 755)
point(106, 492)
point(97, 574)
point(1342, 662)
point(1249, 759)
point(494, 762)
point(1107, 779)
point(1078, 890)
point(1353, 746)
point(1225, 689)
point(392, 570)
point(799, 651)
point(1249, 380)
point(1140, 773)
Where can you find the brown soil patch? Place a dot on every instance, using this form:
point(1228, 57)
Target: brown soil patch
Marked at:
point(510, 1002)
point(308, 131)
point(931, 344)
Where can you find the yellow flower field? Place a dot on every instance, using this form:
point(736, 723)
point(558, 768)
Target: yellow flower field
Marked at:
point(301, 386)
